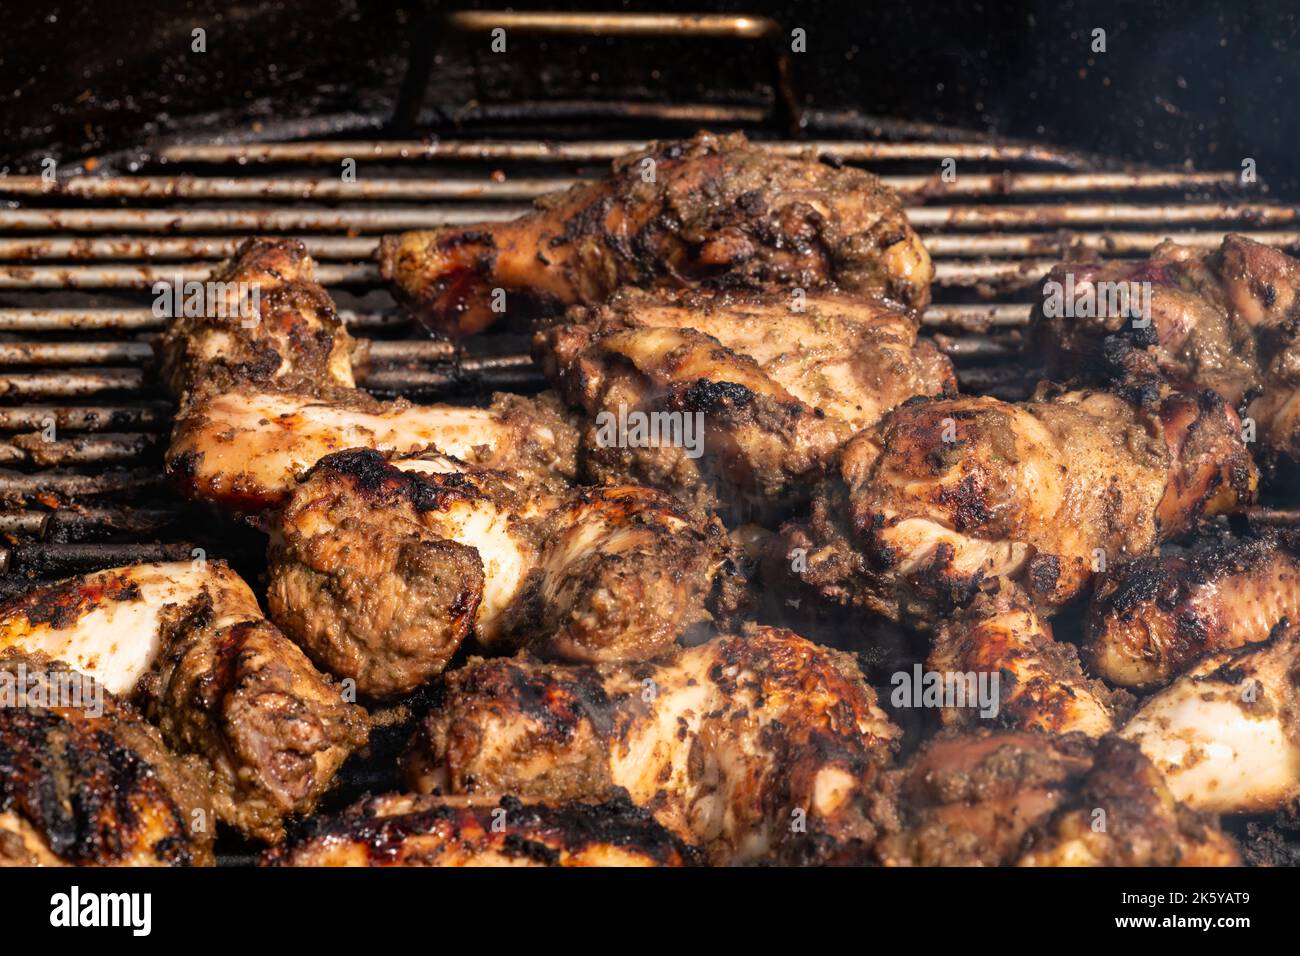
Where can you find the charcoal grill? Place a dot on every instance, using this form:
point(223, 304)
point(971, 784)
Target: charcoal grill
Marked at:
point(83, 421)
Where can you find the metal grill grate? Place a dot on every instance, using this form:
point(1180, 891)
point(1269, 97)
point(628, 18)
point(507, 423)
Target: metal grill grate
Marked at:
point(82, 422)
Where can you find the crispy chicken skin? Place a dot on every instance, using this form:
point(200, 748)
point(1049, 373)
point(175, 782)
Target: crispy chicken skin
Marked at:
point(945, 495)
point(189, 644)
point(758, 748)
point(713, 210)
point(1223, 319)
point(273, 729)
point(91, 784)
point(262, 401)
point(777, 383)
point(413, 830)
point(1124, 814)
point(1041, 685)
point(971, 799)
point(382, 569)
point(994, 798)
point(293, 339)
point(110, 624)
point(1226, 734)
point(1153, 618)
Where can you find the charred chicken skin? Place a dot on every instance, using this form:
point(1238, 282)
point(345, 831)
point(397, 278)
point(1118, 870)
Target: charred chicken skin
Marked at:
point(712, 211)
point(84, 781)
point(946, 495)
point(1041, 685)
point(776, 385)
point(762, 747)
point(1153, 618)
point(1226, 734)
point(1030, 799)
point(1223, 319)
point(382, 569)
point(264, 399)
point(413, 830)
point(188, 642)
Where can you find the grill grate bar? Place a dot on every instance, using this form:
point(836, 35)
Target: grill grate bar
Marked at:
point(371, 220)
point(953, 273)
point(589, 151)
point(526, 188)
point(76, 320)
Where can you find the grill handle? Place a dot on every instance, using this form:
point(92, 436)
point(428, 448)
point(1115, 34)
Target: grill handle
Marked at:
point(788, 109)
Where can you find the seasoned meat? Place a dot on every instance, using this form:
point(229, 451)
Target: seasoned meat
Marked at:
point(945, 495)
point(261, 402)
point(1223, 319)
point(412, 830)
point(1226, 734)
point(382, 569)
point(762, 747)
point(997, 798)
point(712, 211)
point(85, 781)
point(110, 624)
point(265, 321)
point(1153, 618)
point(188, 642)
point(1041, 685)
point(773, 385)
point(1124, 814)
point(970, 799)
point(274, 730)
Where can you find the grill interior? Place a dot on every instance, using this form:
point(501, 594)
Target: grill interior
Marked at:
point(82, 422)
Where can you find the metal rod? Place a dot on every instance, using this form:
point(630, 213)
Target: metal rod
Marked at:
point(73, 353)
point(250, 220)
point(82, 450)
point(294, 190)
point(587, 151)
point(976, 317)
point(62, 384)
point(163, 250)
point(64, 485)
point(1114, 243)
point(145, 277)
point(90, 419)
point(1041, 215)
point(76, 320)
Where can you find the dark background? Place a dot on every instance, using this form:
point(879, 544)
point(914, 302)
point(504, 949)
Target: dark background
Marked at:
point(1206, 83)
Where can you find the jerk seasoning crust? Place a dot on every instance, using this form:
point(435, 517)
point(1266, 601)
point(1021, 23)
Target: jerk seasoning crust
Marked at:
point(713, 210)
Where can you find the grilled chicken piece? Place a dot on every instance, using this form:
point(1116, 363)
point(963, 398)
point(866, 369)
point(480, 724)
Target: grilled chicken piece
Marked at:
point(1124, 814)
point(1223, 319)
point(776, 391)
point(713, 210)
point(381, 569)
point(1041, 685)
point(262, 401)
point(265, 320)
point(970, 799)
point(946, 495)
point(1153, 618)
point(1226, 734)
point(412, 830)
point(190, 644)
point(84, 781)
point(110, 624)
point(996, 798)
point(762, 747)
